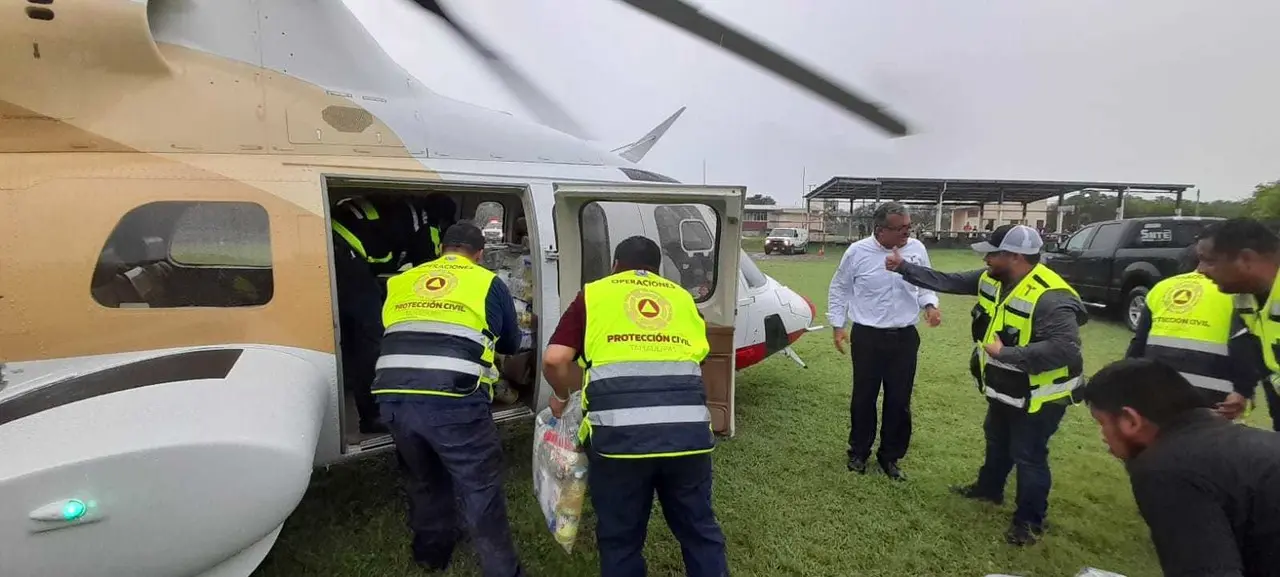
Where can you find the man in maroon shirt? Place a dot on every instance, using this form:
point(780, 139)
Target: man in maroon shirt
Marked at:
point(622, 489)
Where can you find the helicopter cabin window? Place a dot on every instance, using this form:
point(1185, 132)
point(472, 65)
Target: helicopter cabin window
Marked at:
point(688, 247)
point(681, 231)
point(490, 217)
point(597, 260)
point(175, 254)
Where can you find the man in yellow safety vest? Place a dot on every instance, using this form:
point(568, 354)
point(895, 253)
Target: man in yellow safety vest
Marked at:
point(1190, 325)
point(1242, 256)
point(445, 320)
point(1027, 362)
point(641, 341)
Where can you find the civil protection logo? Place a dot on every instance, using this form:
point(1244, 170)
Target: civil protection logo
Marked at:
point(648, 310)
point(435, 284)
point(1183, 296)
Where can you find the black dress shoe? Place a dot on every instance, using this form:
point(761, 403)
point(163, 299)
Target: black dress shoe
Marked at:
point(891, 469)
point(858, 464)
point(971, 492)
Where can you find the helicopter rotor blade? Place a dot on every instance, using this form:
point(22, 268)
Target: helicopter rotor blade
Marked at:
point(692, 20)
point(534, 98)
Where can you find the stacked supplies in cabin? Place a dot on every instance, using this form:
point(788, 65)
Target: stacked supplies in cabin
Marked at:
point(513, 265)
point(560, 471)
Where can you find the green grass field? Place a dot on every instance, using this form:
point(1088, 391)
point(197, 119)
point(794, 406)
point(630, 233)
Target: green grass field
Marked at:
point(782, 493)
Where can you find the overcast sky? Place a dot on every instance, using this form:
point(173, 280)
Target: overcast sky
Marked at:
point(1142, 90)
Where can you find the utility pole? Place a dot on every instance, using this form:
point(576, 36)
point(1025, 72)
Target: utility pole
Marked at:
point(704, 171)
point(1197, 201)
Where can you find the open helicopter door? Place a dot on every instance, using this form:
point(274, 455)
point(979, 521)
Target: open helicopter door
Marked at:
point(183, 462)
point(584, 257)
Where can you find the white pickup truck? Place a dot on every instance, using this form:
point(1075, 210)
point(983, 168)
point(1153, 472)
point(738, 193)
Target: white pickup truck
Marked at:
point(786, 241)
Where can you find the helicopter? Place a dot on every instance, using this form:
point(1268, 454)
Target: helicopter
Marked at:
point(169, 344)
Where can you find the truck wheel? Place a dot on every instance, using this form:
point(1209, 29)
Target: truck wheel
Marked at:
point(1134, 302)
point(804, 249)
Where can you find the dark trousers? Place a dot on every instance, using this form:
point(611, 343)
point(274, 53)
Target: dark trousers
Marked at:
point(1017, 438)
point(448, 457)
point(882, 357)
point(359, 318)
point(1273, 405)
point(622, 495)
point(359, 359)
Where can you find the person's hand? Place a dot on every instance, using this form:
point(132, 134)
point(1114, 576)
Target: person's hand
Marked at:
point(1232, 407)
point(894, 260)
point(993, 348)
point(840, 337)
point(557, 406)
point(932, 315)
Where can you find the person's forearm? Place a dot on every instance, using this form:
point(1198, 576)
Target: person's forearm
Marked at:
point(959, 283)
point(564, 379)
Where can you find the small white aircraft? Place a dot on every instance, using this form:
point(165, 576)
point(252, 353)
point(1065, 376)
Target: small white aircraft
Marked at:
point(169, 364)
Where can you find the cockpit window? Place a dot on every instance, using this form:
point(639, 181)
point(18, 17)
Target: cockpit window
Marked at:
point(755, 278)
point(646, 176)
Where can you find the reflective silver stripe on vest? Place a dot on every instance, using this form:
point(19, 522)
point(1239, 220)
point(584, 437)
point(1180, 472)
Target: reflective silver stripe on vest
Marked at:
point(1056, 388)
point(1188, 345)
point(988, 290)
point(1275, 308)
point(435, 328)
point(650, 416)
point(1245, 301)
point(645, 369)
point(430, 362)
point(1219, 385)
point(1023, 306)
point(1006, 399)
point(989, 360)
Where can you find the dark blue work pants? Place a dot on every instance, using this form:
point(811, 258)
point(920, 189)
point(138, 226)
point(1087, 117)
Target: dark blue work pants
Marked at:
point(360, 321)
point(448, 456)
point(1017, 438)
point(622, 495)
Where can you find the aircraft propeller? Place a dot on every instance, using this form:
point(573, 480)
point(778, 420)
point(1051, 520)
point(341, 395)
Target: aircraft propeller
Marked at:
point(692, 20)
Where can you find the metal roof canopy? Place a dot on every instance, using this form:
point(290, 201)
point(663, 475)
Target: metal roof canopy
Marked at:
point(971, 191)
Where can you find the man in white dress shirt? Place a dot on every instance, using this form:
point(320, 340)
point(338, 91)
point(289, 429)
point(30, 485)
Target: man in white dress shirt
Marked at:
point(884, 310)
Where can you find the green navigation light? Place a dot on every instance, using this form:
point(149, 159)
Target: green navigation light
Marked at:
point(74, 509)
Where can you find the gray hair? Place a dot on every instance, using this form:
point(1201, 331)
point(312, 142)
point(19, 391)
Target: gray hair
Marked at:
point(880, 218)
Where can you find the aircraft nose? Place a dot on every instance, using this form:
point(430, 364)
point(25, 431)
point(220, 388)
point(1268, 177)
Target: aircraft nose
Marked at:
point(802, 309)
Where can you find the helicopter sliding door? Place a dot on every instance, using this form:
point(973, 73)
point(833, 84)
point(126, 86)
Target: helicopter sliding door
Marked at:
point(698, 229)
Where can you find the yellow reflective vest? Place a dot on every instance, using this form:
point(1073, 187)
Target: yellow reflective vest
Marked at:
point(643, 395)
point(1264, 323)
point(437, 339)
point(1191, 328)
point(1010, 321)
point(359, 208)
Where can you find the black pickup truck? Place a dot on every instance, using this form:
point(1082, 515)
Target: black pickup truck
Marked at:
point(1114, 263)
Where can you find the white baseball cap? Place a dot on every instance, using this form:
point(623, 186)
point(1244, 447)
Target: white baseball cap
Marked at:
point(1015, 238)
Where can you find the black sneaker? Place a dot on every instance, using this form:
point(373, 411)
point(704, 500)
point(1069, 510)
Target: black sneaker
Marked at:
point(1023, 534)
point(858, 464)
point(971, 492)
point(891, 469)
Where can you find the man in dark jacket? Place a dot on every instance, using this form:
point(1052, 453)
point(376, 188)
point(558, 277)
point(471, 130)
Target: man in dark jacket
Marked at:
point(1208, 489)
point(1027, 370)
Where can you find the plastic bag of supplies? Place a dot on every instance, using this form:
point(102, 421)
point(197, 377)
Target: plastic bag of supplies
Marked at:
point(560, 471)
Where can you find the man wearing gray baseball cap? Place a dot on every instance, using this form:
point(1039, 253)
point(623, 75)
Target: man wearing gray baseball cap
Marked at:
point(1026, 360)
